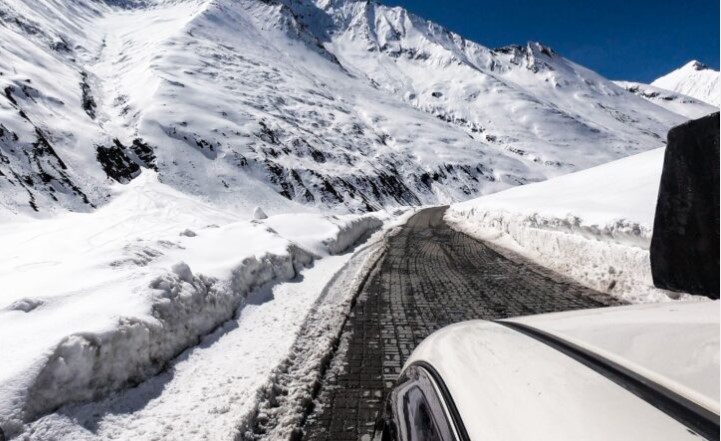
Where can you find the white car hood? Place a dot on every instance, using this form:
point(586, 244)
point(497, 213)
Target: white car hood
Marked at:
point(508, 386)
point(675, 345)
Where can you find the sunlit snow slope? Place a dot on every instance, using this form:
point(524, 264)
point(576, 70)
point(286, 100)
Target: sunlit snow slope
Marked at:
point(675, 102)
point(327, 103)
point(693, 79)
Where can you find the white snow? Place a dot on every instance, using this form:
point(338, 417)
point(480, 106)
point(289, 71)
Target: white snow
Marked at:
point(693, 79)
point(333, 104)
point(264, 125)
point(259, 214)
point(594, 226)
point(96, 302)
point(685, 105)
point(211, 390)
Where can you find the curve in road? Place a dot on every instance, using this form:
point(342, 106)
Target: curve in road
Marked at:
point(430, 277)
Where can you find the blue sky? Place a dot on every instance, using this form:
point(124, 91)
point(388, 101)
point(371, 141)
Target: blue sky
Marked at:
point(636, 40)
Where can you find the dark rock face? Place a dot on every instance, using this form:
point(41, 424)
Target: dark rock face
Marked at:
point(117, 164)
point(36, 167)
point(123, 163)
point(89, 104)
point(685, 243)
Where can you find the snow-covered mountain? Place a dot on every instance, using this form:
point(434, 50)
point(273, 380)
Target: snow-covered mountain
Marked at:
point(694, 79)
point(675, 102)
point(171, 120)
point(327, 103)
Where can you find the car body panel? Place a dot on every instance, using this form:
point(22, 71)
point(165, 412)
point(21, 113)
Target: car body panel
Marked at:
point(508, 386)
point(675, 345)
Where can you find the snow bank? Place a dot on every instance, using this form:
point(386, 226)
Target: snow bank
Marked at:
point(339, 233)
point(97, 302)
point(259, 366)
point(288, 396)
point(183, 307)
point(594, 226)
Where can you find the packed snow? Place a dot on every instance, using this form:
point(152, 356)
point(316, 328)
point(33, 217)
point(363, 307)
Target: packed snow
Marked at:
point(594, 226)
point(101, 301)
point(694, 79)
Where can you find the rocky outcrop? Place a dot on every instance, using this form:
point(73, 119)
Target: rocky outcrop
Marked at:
point(123, 163)
point(685, 243)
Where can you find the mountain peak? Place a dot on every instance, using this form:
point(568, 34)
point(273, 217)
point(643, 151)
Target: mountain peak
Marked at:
point(536, 46)
point(695, 65)
point(694, 79)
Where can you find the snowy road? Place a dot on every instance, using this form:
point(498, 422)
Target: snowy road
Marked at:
point(431, 276)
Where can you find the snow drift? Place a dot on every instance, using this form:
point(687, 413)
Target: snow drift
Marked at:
point(183, 308)
point(146, 285)
point(594, 226)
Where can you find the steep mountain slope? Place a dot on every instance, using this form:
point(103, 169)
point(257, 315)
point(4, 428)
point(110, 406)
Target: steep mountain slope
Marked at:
point(345, 103)
point(694, 79)
point(675, 102)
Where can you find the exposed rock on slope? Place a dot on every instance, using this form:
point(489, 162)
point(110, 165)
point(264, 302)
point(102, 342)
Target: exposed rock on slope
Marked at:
point(326, 103)
point(675, 102)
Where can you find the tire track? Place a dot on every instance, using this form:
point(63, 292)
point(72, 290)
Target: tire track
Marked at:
point(430, 277)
